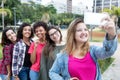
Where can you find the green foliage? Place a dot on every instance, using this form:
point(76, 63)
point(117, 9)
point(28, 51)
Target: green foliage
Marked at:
point(63, 18)
point(6, 12)
point(0, 52)
point(104, 64)
point(8, 7)
point(33, 12)
point(114, 10)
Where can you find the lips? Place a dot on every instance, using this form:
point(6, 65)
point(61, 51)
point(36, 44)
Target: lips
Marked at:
point(83, 36)
point(14, 38)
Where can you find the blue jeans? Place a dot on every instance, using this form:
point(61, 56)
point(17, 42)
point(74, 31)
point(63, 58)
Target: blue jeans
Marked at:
point(24, 73)
point(3, 77)
point(34, 75)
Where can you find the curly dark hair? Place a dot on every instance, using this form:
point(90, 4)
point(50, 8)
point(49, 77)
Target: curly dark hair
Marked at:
point(40, 24)
point(5, 39)
point(20, 30)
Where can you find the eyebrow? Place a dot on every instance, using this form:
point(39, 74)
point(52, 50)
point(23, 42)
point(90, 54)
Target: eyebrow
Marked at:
point(53, 32)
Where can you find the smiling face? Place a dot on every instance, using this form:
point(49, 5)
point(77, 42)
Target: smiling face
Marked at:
point(82, 33)
point(11, 35)
point(54, 35)
point(40, 32)
point(26, 32)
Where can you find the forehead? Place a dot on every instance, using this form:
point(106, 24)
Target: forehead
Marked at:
point(52, 30)
point(81, 25)
point(27, 27)
point(40, 28)
point(9, 32)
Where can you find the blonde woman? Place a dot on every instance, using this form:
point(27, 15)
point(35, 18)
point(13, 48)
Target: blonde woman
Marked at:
point(78, 61)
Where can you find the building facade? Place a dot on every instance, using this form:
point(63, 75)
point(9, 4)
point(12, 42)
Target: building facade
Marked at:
point(69, 6)
point(99, 5)
point(27, 1)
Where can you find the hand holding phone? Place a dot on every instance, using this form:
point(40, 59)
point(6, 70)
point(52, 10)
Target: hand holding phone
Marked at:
point(94, 18)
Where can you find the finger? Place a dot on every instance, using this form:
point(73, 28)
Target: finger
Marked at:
point(75, 78)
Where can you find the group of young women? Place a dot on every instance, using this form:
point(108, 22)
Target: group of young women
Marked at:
point(23, 57)
point(47, 58)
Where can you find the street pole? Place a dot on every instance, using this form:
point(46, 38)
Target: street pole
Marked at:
point(14, 17)
point(91, 28)
point(2, 14)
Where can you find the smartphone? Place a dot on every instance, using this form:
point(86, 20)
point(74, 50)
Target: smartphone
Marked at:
point(94, 18)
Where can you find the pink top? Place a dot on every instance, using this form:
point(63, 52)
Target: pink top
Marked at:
point(83, 69)
point(36, 65)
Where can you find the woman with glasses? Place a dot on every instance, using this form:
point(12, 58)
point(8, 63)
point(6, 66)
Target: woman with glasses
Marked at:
point(53, 46)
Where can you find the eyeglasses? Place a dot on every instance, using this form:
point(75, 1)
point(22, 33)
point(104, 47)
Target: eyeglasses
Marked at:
point(56, 32)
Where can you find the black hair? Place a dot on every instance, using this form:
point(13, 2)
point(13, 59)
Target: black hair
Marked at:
point(5, 39)
point(20, 30)
point(40, 24)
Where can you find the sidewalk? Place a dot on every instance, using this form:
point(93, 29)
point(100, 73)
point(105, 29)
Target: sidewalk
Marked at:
point(113, 72)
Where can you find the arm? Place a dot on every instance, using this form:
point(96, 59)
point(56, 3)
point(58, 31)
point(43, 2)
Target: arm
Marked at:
point(32, 50)
point(108, 49)
point(33, 55)
point(43, 74)
point(7, 58)
point(56, 69)
point(9, 72)
point(110, 42)
point(15, 60)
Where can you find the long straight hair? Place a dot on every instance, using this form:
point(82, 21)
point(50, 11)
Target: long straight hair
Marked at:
point(50, 45)
point(71, 42)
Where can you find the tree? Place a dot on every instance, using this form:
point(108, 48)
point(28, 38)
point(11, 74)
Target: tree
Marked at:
point(45, 17)
point(114, 10)
point(6, 12)
point(8, 7)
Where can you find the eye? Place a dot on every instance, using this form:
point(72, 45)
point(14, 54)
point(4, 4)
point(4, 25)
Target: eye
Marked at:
point(86, 29)
point(78, 30)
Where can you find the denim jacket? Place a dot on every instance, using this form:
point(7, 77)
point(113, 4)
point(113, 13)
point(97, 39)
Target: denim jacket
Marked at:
point(60, 65)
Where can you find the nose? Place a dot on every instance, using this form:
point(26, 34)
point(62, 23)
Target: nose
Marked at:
point(12, 35)
point(83, 31)
point(54, 35)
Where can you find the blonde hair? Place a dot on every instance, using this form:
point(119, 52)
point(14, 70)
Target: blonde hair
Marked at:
point(70, 41)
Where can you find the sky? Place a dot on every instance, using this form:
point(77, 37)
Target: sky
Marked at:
point(75, 2)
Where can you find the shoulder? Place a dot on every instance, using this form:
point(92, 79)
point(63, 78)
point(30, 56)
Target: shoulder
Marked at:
point(62, 55)
point(8, 46)
point(20, 43)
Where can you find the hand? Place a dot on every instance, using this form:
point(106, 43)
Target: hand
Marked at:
point(36, 43)
point(16, 78)
point(74, 78)
point(109, 27)
point(8, 76)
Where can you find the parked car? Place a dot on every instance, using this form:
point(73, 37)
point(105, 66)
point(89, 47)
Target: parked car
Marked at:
point(63, 26)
